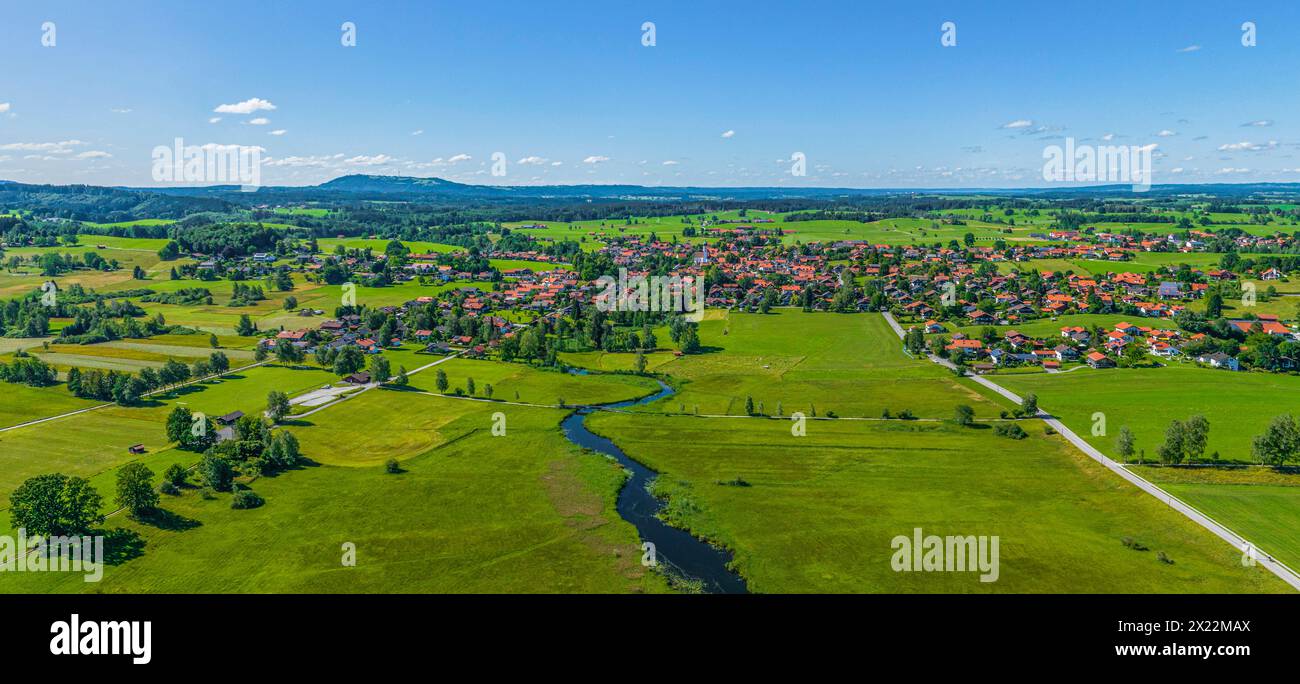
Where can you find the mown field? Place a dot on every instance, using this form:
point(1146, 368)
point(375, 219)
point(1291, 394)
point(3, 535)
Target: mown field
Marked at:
point(851, 365)
point(1238, 405)
point(1262, 504)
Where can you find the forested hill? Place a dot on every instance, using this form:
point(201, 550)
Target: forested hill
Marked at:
point(108, 205)
point(102, 205)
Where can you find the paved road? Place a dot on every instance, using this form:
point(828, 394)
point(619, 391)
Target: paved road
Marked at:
point(367, 388)
point(1277, 568)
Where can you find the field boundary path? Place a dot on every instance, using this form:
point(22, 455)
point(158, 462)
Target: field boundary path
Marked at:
point(1223, 532)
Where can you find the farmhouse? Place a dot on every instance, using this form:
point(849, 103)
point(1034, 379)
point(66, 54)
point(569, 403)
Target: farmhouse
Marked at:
point(1219, 360)
point(1099, 360)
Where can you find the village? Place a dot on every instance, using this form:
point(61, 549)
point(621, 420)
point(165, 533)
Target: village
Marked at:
point(967, 300)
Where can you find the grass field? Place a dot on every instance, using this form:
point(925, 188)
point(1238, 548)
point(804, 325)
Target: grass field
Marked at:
point(517, 382)
point(1238, 405)
point(22, 403)
point(595, 233)
point(92, 442)
point(819, 511)
point(813, 363)
point(470, 513)
point(1262, 504)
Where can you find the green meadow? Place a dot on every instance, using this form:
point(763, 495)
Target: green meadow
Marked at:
point(851, 365)
point(1261, 504)
point(1238, 405)
point(470, 512)
point(517, 382)
point(95, 441)
point(817, 513)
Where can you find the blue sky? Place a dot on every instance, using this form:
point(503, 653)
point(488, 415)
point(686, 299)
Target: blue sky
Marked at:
point(568, 93)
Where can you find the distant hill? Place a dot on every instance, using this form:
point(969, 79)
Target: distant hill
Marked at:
point(105, 204)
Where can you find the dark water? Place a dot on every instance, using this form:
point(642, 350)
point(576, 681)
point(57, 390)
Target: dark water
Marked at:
point(676, 548)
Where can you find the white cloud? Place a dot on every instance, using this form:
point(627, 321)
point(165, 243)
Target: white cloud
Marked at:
point(315, 161)
point(369, 160)
point(1262, 123)
point(530, 161)
point(1230, 170)
point(729, 134)
point(246, 107)
point(62, 147)
point(259, 121)
point(671, 162)
point(1246, 146)
point(1176, 169)
point(1108, 137)
point(595, 159)
point(459, 158)
point(1018, 123)
point(278, 131)
point(94, 154)
point(214, 119)
point(1166, 133)
point(419, 132)
point(557, 163)
point(4, 107)
point(218, 147)
point(120, 110)
point(1189, 48)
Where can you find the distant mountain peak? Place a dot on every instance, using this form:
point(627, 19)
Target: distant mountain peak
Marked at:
point(361, 182)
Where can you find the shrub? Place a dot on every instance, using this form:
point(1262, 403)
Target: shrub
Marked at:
point(391, 466)
point(169, 488)
point(1134, 544)
point(175, 475)
point(1010, 430)
point(246, 498)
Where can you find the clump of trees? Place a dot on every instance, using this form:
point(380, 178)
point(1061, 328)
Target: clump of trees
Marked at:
point(1184, 441)
point(1010, 430)
point(28, 370)
point(1280, 442)
point(189, 432)
point(54, 505)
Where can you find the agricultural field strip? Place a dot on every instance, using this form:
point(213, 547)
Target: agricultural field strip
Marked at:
point(1236, 540)
point(38, 421)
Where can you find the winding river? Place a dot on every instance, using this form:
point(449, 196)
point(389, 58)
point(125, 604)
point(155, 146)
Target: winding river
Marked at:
point(690, 557)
